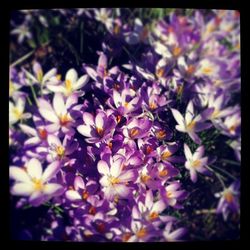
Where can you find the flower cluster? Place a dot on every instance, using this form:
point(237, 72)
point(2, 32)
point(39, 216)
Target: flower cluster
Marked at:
point(116, 148)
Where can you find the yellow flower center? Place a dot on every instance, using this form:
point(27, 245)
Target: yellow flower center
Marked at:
point(232, 129)
point(190, 69)
point(176, 51)
point(169, 194)
point(99, 131)
point(58, 77)
point(114, 180)
point(191, 125)
point(152, 105)
point(163, 173)
point(42, 133)
point(60, 151)
point(160, 134)
point(153, 216)
point(65, 119)
point(207, 70)
point(215, 113)
point(134, 132)
point(38, 185)
point(165, 155)
point(196, 163)
point(145, 178)
point(68, 85)
point(141, 233)
point(160, 72)
point(228, 196)
point(85, 195)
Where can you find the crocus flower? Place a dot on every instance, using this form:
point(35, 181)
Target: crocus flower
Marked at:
point(173, 235)
point(217, 104)
point(137, 128)
point(126, 102)
point(98, 128)
point(229, 200)
point(71, 83)
point(115, 180)
point(16, 111)
point(32, 182)
point(195, 162)
point(50, 77)
point(191, 123)
point(37, 136)
point(58, 115)
point(60, 150)
point(23, 32)
point(171, 194)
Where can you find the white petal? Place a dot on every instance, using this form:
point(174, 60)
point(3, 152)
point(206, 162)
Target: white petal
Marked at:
point(178, 117)
point(18, 174)
point(32, 141)
point(72, 195)
point(189, 112)
point(81, 82)
point(99, 119)
point(102, 167)
point(116, 98)
point(116, 167)
point(23, 189)
point(85, 130)
point(28, 130)
point(51, 171)
point(54, 140)
point(88, 118)
point(71, 75)
point(187, 152)
point(49, 74)
point(48, 115)
point(34, 168)
point(52, 189)
point(58, 104)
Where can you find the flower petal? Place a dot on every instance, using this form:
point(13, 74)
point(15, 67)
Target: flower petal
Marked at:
point(85, 130)
point(102, 167)
point(22, 189)
point(178, 117)
point(51, 171)
point(72, 195)
point(88, 118)
point(18, 174)
point(34, 168)
point(58, 104)
point(53, 189)
point(71, 75)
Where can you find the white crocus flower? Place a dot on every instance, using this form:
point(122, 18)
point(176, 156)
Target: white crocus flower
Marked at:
point(16, 111)
point(71, 84)
point(195, 162)
point(32, 181)
point(191, 123)
point(23, 32)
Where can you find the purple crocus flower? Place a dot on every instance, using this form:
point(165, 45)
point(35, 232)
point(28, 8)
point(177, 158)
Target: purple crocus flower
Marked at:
point(173, 235)
point(229, 200)
point(32, 182)
point(115, 180)
point(126, 102)
point(195, 162)
point(61, 150)
point(171, 194)
point(97, 128)
point(58, 115)
point(137, 128)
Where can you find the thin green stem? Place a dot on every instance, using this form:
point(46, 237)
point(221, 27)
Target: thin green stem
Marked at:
point(219, 177)
point(225, 172)
point(22, 58)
